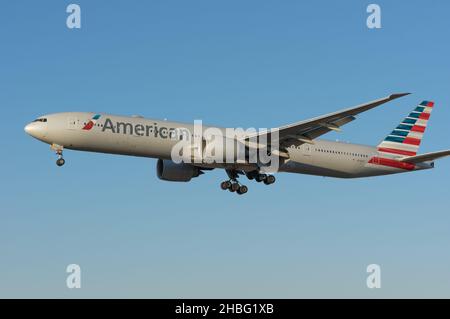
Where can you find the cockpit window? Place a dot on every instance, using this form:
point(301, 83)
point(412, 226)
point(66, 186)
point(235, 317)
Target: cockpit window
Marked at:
point(41, 120)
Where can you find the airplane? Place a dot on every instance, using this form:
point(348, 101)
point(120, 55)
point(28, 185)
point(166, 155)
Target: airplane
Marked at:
point(299, 149)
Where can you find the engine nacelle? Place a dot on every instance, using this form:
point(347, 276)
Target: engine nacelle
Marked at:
point(173, 172)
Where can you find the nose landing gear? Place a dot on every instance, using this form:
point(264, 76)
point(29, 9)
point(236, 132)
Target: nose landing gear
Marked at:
point(59, 151)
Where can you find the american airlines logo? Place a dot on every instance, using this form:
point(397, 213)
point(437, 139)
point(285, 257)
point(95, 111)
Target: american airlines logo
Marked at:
point(145, 130)
point(91, 123)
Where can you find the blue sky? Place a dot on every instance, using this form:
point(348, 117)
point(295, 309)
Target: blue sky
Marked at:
point(229, 63)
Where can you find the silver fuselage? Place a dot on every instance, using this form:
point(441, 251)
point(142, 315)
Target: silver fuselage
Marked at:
point(137, 136)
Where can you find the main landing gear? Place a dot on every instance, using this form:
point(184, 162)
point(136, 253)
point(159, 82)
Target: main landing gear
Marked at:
point(266, 179)
point(233, 184)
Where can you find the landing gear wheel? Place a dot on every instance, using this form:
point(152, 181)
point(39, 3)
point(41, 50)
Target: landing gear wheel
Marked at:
point(233, 184)
point(260, 177)
point(234, 187)
point(225, 185)
point(270, 179)
point(60, 162)
point(242, 190)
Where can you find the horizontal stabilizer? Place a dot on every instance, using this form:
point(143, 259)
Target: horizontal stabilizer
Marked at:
point(425, 157)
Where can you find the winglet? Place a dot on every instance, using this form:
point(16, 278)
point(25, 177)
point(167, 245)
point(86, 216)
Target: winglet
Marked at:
point(397, 95)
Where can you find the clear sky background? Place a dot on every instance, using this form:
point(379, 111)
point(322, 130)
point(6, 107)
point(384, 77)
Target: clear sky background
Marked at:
point(229, 63)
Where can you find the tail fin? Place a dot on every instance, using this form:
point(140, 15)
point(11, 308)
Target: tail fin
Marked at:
point(406, 137)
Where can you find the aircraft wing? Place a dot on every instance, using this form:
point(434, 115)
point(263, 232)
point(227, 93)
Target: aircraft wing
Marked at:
point(425, 157)
point(306, 131)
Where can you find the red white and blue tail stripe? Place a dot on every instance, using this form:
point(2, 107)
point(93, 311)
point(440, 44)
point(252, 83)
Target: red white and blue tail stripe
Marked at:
point(406, 137)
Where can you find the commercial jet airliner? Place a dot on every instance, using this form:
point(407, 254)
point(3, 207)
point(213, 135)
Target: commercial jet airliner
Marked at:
point(298, 148)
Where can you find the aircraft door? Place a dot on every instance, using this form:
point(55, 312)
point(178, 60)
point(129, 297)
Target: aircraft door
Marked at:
point(306, 150)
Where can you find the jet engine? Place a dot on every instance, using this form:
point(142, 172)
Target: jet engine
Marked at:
point(167, 170)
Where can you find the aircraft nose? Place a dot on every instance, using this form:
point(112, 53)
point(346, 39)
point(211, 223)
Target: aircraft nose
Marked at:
point(29, 128)
point(35, 130)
